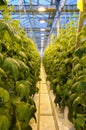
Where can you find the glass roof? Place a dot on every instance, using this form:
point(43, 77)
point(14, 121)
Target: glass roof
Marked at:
point(33, 2)
point(27, 12)
point(71, 2)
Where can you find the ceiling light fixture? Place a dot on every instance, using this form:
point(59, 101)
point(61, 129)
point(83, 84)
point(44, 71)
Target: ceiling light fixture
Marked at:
point(41, 9)
point(42, 29)
point(42, 21)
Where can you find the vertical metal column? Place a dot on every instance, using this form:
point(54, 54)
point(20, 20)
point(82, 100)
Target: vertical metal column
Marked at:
point(58, 26)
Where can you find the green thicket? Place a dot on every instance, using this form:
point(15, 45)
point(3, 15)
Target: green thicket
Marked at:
point(66, 70)
point(3, 2)
point(19, 73)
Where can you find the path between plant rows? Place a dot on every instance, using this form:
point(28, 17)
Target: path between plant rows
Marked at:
point(46, 114)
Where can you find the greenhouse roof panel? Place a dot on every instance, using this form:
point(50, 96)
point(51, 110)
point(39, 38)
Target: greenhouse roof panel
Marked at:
point(71, 2)
point(27, 12)
point(33, 2)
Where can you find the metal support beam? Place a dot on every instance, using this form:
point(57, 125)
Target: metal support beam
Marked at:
point(33, 8)
point(57, 4)
point(50, 8)
point(66, 8)
point(69, 8)
point(38, 29)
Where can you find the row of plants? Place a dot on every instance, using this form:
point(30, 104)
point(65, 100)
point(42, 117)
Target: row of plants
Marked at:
point(19, 73)
point(65, 66)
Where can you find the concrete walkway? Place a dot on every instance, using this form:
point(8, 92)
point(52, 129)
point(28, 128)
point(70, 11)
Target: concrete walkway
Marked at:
point(49, 117)
point(45, 113)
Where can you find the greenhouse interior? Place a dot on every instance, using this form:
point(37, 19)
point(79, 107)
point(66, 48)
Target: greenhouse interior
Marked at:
point(42, 64)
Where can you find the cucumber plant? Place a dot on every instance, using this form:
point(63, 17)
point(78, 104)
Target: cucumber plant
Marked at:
point(66, 70)
point(19, 72)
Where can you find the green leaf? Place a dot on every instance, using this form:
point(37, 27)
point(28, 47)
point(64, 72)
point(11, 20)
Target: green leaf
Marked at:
point(79, 86)
point(79, 52)
point(82, 86)
point(84, 50)
point(67, 60)
point(7, 37)
point(4, 95)
point(72, 97)
point(18, 125)
point(25, 126)
point(25, 111)
point(83, 61)
point(23, 69)
point(6, 27)
point(80, 121)
point(22, 89)
point(1, 59)
point(77, 67)
point(75, 60)
point(11, 66)
point(22, 55)
point(15, 99)
point(74, 87)
point(2, 72)
point(58, 90)
point(82, 78)
point(4, 123)
point(76, 102)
